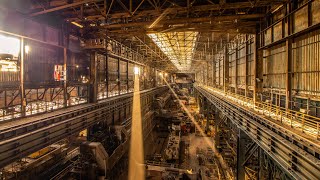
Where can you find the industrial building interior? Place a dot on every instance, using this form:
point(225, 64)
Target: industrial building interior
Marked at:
point(160, 89)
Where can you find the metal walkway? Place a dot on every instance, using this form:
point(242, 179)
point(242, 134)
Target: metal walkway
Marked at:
point(297, 154)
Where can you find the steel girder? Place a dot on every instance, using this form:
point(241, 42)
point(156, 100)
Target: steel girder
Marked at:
point(298, 156)
point(22, 140)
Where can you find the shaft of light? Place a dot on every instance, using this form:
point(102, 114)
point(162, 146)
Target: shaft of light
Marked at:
point(207, 140)
point(136, 154)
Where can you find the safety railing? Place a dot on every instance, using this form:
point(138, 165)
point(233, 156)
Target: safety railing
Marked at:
point(113, 47)
point(307, 124)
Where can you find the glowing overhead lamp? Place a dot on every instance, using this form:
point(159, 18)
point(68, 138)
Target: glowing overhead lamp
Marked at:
point(160, 74)
point(136, 70)
point(77, 24)
point(166, 74)
point(27, 49)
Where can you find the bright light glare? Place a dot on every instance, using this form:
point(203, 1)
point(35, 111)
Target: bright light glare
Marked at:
point(9, 45)
point(136, 70)
point(166, 74)
point(136, 152)
point(26, 49)
point(160, 73)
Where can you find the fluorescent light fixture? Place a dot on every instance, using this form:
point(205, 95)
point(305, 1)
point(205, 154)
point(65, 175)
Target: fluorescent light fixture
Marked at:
point(178, 46)
point(136, 70)
point(77, 24)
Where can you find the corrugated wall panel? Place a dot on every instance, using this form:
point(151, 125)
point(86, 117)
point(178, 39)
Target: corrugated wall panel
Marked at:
point(232, 68)
point(274, 67)
point(250, 63)
point(300, 19)
point(315, 12)
point(306, 63)
point(241, 66)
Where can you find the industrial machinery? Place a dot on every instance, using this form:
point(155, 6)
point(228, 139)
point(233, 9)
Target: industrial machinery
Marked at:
point(173, 146)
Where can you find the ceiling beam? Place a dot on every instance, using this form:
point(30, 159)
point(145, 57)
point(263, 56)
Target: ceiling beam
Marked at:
point(62, 7)
point(181, 10)
point(210, 20)
point(209, 7)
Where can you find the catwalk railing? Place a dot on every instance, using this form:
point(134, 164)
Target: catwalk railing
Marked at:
point(296, 153)
point(21, 138)
point(307, 124)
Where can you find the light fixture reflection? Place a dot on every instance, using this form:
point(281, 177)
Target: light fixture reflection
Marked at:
point(136, 154)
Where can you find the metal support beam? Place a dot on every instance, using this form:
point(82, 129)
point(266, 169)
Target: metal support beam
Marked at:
point(217, 121)
point(93, 90)
point(119, 83)
point(241, 150)
point(107, 76)
point(236, 70)
point(226, 70)
point(207, 111)
point(246, 66)
point(22, 92)
point(218, 19)
point(255, 73)
point(288, 72)
point(65, 85)
point(127, 76)
point(62, 7)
